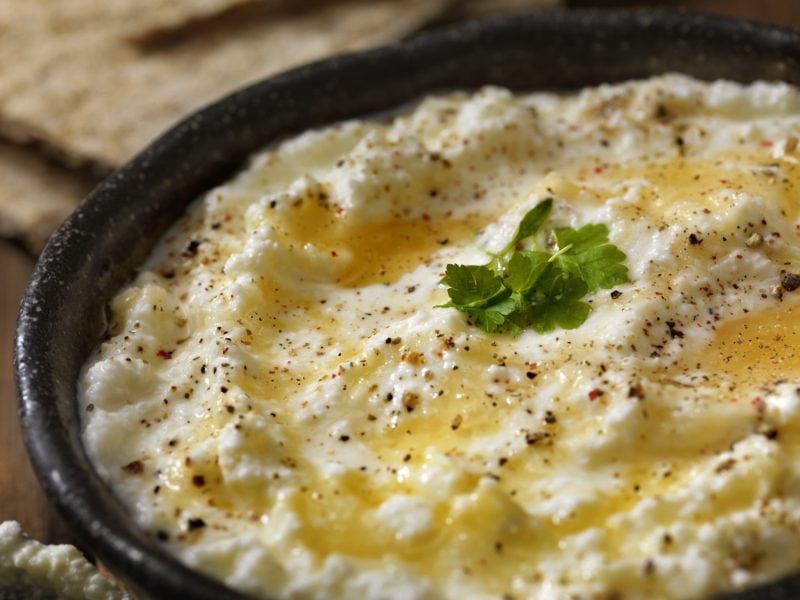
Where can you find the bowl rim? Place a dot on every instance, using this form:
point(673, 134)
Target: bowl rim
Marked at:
point(149, 571)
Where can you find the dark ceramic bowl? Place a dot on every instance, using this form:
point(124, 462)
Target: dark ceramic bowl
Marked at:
point(98, 248)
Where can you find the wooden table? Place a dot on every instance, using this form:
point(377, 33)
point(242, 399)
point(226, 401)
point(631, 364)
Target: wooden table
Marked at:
point(20, 496)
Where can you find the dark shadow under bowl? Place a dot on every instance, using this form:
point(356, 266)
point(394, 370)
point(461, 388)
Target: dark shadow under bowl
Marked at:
point(98, 248)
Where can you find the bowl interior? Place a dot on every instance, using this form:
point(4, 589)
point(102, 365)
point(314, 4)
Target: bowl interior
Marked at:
point(99, 247)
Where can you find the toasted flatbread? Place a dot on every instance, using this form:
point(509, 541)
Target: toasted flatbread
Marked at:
point(79, 88)
point(120, 18)
point(175, 14)
point(36, 195)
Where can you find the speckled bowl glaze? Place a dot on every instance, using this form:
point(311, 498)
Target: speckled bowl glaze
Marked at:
point(100, 245)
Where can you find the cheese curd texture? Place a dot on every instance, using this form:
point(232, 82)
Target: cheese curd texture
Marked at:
point(281, 405)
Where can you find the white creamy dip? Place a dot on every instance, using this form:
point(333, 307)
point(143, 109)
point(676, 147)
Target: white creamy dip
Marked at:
point(36, 571)
point(280, 404)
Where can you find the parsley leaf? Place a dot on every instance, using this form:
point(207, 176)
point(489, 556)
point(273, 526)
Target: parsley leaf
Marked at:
point(533, 289)
point(524, 269)
point(472, 286)
point(591, 256)
point(493, 317)
point(558, 304)
point(529, 224)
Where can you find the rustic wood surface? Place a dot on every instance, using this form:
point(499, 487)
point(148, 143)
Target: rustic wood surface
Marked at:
point(20, 496)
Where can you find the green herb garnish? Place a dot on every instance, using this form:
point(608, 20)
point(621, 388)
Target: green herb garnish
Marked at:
point(532, 288)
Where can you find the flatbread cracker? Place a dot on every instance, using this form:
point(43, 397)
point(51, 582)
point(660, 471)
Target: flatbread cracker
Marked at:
point(173, 14)
point(36, 196)
point(178, 20)
point(119, 18)
point(77, 87)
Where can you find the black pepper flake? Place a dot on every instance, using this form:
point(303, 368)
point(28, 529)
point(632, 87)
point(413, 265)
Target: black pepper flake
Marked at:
point(191, 249)
point(725, 465)
point(344, 438)
point(674, 333)
point(161, 535)
point(198, 480)
point(534, 438)
point(694, 240)
point(223, 389)
point(768, 432)
point(531, 375)
point(649, 567)
point(615, 294)
point(636, 391)
point(410, 401)
point(549, 418)
point(790, 281)
point(134, 468)
point(193, 524)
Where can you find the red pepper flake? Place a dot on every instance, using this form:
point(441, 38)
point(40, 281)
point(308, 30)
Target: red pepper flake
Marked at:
point(766, 143)
point(165, 354)
point(339, 210)
point(595, 394)
point(334, 254)
point(758, 403)
point(426, 217)
point(227, 217)
point(598, 170)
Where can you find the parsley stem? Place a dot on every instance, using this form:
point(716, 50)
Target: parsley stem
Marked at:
point(560, 252)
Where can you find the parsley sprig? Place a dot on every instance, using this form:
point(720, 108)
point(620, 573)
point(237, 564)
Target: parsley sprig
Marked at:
point(531, 288)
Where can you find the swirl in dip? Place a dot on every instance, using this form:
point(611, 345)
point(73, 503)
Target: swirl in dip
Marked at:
point(281, 406)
